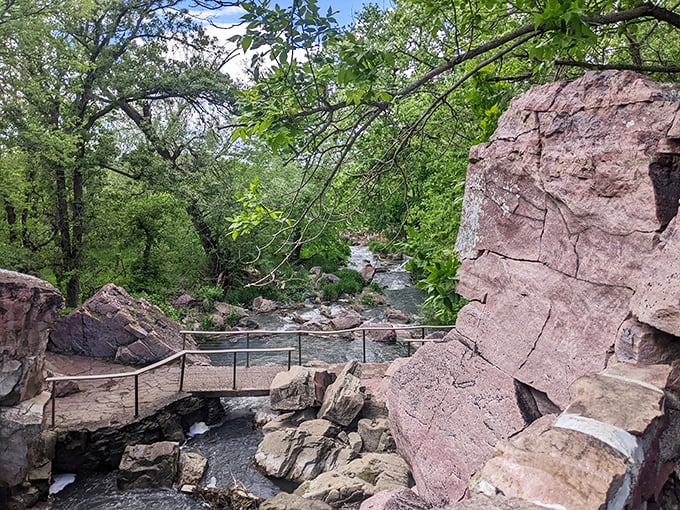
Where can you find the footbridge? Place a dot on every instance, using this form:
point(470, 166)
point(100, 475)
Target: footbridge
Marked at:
point(243, 371)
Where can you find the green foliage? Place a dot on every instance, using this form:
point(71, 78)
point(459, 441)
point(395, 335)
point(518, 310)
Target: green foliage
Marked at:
point(442, 303)
point(209, 293)
point(351, 282)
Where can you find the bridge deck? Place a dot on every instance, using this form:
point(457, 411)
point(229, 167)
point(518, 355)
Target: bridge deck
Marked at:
point(98, 403)
point(217, 381)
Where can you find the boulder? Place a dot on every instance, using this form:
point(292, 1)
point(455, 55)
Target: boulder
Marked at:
point(299, 388)
point(381, 332)
point(492, 503)
point(192, 466)
point(330, 278)
point(602, 451)
point(145, 466)
point(347, 319)
point(569, 228)
point(262, 305)
point(375, 435)
point(358, 480)
point(114, 325)
point(395, 499)
point(28, 309)
point(367, 273)
point(27, 449)
point(640, 343)
point(302, 453)
point(285, 501)
point(393, 315)
point(345, 397)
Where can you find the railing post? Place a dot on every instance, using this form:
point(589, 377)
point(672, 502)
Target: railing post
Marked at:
point(363, 340)
point(136, 395)
point(290, 353)
point(299, 348)
point(184, 341)
point(422, 333)
point(54, 397)
point(181, 372)
point(408, 348)
point(248, 352)
point(233, 380)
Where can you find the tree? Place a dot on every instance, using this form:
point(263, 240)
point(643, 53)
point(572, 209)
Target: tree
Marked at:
point(321, 91)
point(70, 70)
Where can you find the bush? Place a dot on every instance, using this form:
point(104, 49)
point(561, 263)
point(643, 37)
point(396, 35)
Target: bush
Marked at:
point(351, 282)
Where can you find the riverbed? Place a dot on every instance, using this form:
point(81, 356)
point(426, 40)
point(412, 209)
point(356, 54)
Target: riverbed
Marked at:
point(230, 446)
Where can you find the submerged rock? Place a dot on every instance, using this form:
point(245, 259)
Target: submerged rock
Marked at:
point(148, 466)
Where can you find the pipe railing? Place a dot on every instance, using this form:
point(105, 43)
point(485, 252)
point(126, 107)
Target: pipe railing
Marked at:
point(247, 351)
point(136, 373)
point(264, 332)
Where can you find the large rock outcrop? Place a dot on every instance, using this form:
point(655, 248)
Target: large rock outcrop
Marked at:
point(114, 325)
point(28, 307)
point(569, 257)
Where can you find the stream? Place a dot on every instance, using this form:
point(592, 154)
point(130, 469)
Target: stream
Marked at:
point(230, 446)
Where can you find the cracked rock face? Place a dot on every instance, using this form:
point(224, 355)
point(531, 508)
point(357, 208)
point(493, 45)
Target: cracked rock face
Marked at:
point(114, 325)
point(569, 244)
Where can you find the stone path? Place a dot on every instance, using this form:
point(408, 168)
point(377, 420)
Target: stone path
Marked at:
point(111, 402)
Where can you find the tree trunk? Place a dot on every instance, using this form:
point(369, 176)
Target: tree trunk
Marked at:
point(209, 242)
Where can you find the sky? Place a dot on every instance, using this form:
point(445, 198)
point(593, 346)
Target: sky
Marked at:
point(223, 24)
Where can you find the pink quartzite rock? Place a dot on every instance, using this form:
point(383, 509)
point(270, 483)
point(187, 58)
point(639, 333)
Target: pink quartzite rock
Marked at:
point(112, 324)
point(447, 408)
point(28, 308)
point(568, 230)
point(395, 499)
point(601, 452)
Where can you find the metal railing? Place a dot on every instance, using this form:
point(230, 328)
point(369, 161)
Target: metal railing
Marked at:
point(182, 355)
point(337, 332)
point(247, 351)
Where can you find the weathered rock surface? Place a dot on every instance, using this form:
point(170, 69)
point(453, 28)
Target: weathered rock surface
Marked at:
point(191, 468)
point(148, 466)
point(395, 499)
point(375, 435)
point(27, 448)
point(28, 308)
point(358, 480)
point(602, 451)
point(285, 501)
point(569, 228)
point(345, 398)
point(299, 388)
point(302, 453)
point(114, 325)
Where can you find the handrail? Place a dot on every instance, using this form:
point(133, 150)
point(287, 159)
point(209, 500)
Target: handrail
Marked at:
point(184, 352)
point(312, 332)
point(300, 332)
point(136, 373)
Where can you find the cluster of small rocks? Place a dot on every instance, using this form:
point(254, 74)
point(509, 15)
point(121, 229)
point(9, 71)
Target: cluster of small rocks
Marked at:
point(324, 438)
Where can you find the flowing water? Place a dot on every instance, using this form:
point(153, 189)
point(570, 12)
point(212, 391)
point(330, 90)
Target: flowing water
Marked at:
point(230, 447)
